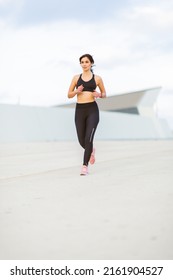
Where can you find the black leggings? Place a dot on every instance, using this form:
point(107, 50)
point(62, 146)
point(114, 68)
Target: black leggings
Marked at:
point(86, 120)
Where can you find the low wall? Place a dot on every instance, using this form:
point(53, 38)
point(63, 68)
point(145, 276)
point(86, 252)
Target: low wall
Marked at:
point(28, 124)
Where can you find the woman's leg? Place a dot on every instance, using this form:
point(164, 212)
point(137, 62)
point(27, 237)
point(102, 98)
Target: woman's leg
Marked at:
point(80, 125)
point(91, 125)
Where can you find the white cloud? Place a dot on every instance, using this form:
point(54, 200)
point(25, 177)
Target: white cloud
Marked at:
point(5, 2)
point(35, 62)
point(38, 62)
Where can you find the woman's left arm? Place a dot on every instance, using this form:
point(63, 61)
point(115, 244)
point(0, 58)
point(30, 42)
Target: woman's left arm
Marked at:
point(100, 84)
point(101, 87)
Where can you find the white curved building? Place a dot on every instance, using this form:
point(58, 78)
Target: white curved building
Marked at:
point(126, 116)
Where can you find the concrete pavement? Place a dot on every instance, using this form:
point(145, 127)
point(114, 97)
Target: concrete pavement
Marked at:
point(122, 210)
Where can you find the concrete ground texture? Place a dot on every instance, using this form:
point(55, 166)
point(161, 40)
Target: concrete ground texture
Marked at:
point(122, 210)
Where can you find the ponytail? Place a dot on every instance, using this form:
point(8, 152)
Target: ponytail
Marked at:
point(92, 69)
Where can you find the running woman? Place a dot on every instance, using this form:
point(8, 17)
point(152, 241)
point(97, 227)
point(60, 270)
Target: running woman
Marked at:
point(86, 113)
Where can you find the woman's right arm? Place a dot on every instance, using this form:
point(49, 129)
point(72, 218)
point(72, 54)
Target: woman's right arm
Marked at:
point(72, 92)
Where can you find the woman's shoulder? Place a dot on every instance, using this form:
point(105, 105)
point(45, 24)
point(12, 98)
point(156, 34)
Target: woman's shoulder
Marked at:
point(97, 77)
point(76, 77)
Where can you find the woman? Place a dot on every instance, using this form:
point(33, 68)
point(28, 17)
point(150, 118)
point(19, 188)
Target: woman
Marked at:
point(87, 114)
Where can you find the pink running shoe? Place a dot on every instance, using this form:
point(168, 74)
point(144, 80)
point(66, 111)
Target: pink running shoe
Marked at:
point(92, 157)
point(84, 170)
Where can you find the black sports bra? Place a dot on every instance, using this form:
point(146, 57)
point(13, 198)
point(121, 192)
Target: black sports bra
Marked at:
point(88, 86)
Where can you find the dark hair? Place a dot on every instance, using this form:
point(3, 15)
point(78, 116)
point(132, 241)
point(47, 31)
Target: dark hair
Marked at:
point(89, 57)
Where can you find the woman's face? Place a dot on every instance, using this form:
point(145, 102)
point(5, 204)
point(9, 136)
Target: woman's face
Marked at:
point(85, 64)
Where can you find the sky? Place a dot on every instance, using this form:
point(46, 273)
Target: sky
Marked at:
point(41, 42)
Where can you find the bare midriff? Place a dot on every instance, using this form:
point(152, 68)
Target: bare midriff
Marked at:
point(85, 97)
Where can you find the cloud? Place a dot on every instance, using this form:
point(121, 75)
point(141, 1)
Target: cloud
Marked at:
point(5, 2)
point(37, 12)
point(132, 50)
